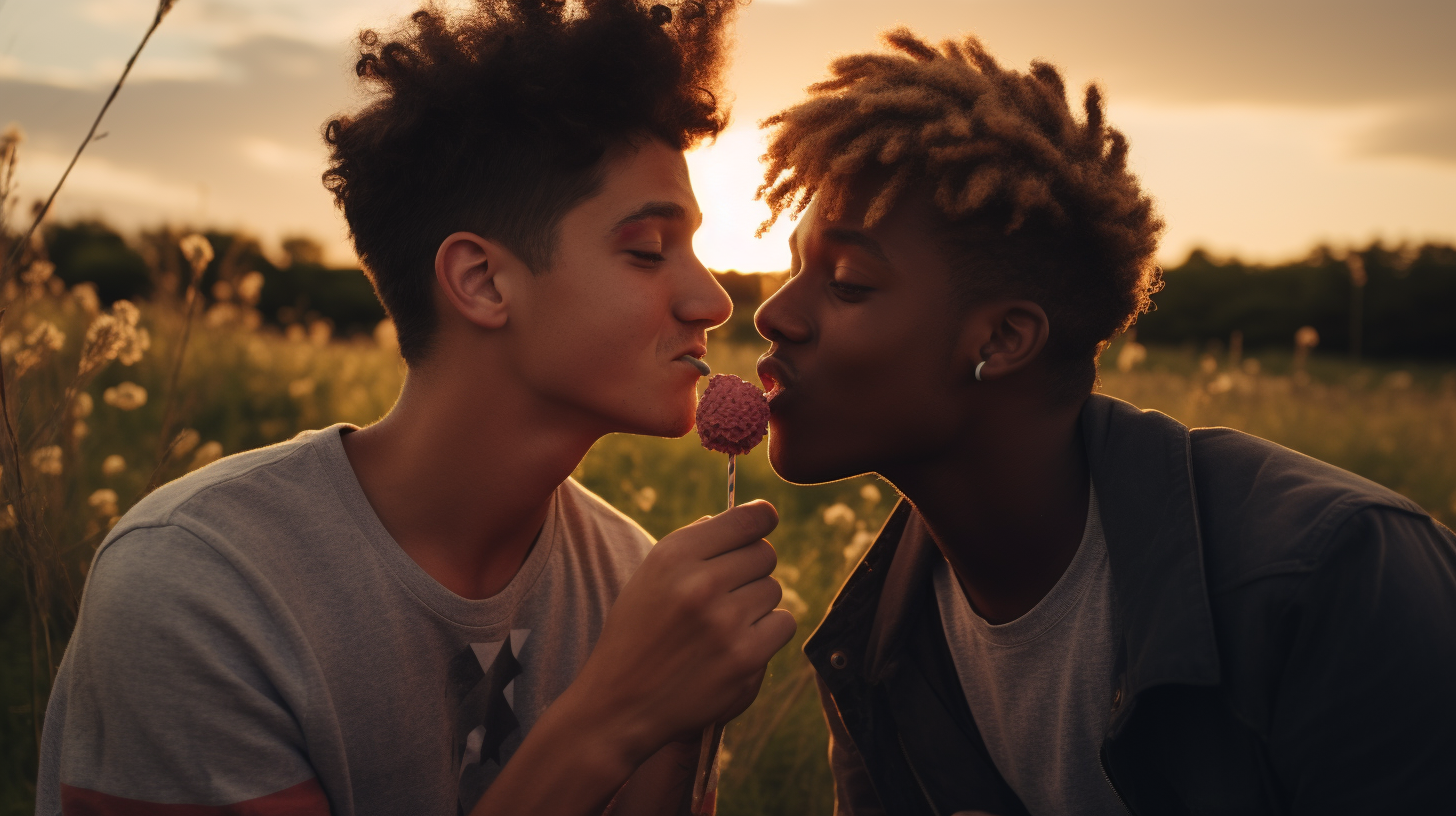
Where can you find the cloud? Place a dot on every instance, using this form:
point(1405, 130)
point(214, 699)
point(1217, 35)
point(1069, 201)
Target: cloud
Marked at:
point(103, 182)
point(270, 155)
point(1422, 130)
point(1300, 53)
point(242, 148)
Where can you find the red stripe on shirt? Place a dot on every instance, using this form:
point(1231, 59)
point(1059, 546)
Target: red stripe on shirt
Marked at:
point(304, 799)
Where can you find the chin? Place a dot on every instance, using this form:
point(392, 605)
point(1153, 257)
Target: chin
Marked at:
point(801, 461)
point(669, 420)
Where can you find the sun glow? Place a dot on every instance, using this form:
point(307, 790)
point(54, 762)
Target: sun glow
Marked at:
point(725, 175)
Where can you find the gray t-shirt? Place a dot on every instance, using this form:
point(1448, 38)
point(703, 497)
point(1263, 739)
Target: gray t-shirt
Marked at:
point(1040, 687)
point(251, 634)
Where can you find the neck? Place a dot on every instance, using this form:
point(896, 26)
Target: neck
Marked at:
point(1006, 503)
point(461, 473)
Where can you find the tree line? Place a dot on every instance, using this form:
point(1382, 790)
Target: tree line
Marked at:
point(1378, 301)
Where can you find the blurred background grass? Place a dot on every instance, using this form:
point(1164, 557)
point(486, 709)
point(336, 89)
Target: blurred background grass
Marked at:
point(251, 378)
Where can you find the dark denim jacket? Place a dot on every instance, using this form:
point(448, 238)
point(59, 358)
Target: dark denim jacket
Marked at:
point(1288, 642)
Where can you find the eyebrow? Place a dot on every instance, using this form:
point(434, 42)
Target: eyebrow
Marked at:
point(652, 209)
point(854, 237)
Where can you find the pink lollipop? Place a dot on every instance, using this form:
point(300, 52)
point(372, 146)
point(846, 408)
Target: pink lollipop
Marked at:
point(732, 419)
point(732, 415)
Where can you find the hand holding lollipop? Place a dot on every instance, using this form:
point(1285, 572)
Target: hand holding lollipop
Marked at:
point(732, 418)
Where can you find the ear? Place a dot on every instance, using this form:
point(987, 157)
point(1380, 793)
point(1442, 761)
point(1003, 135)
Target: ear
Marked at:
point(1006, 335)
point(476, 276)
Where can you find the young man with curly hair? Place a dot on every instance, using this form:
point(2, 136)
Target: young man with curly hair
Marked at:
point(428, 615)
point(1078, 607)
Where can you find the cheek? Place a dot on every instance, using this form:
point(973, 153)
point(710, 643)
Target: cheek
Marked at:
point(875, 390)
point(602, 332)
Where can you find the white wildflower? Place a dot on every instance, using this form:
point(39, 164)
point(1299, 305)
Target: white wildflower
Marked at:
point(127, 396)
point(46, 335)
point(198, 252)
point(47, 460)
point(207, 454)
point(44, 340)
point(82, 405)
point(85, 296)
point(114, 336)
point(185, 441)
point(1131, 355)
point(871, 494)
point(838, 514)
point(103, 502)
point(1306, 338)
point(37, 273)
point(112, 465)
point(644, 498)
point(786, 574)
point(250, 288)
point(860, 542)
point(793, 603)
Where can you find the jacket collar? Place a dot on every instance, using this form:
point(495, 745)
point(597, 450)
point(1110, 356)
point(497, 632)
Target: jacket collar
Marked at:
point(1142, 467)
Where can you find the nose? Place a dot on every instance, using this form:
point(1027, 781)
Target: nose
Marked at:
point(702, 299)
point(779, 320)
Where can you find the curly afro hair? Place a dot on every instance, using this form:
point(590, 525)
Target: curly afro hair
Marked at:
point(1036, 202)
point(497, 121)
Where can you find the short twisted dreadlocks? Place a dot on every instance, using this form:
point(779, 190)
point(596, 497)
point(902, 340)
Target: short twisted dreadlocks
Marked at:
point(1036, 203)
point(496, 121)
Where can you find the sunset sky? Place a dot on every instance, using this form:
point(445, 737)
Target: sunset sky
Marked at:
point(1261, 127)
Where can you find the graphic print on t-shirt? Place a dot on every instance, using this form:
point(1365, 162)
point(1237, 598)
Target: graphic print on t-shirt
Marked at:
point(482, 679)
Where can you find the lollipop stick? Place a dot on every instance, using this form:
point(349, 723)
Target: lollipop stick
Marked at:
point(732, 481)
point(705, 783)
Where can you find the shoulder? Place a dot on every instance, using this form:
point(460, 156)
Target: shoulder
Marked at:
point(1265, 509)
point(165, 578)
point(601, 526)
point(254, 486)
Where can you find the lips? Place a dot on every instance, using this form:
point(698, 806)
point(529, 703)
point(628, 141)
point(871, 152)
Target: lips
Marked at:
point(697, 352)
point(775, 374)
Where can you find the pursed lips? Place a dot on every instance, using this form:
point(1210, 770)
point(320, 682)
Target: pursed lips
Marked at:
point(776, 375)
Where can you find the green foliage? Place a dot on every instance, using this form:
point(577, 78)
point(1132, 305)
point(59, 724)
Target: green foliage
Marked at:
point(1408, 304)
point(90, 251)
point(306, 291)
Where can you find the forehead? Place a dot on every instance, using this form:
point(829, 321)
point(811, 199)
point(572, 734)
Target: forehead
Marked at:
point(649, 179)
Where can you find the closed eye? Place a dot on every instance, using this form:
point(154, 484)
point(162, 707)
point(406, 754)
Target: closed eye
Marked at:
point(654, 257)
point(849, 290)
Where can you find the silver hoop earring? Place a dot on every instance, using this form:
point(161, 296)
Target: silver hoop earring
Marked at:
point(979, 366)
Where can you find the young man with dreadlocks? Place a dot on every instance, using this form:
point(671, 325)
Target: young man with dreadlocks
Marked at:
point(428, 615)
point(1078, 607)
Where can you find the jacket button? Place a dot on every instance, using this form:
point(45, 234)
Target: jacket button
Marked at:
point(1116, 699)
point(838, 660)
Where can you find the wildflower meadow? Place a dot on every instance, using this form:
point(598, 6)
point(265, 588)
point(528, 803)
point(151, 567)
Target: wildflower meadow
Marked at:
point(105, 403)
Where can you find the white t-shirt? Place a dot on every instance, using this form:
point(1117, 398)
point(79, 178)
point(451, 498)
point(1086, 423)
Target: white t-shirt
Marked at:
point(1040, 687)
point(251, 633)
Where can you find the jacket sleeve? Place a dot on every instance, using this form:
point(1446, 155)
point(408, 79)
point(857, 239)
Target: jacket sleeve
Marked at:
point(1366, 721)
point(853, 793)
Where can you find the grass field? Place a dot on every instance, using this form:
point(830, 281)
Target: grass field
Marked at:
point(242, 387)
